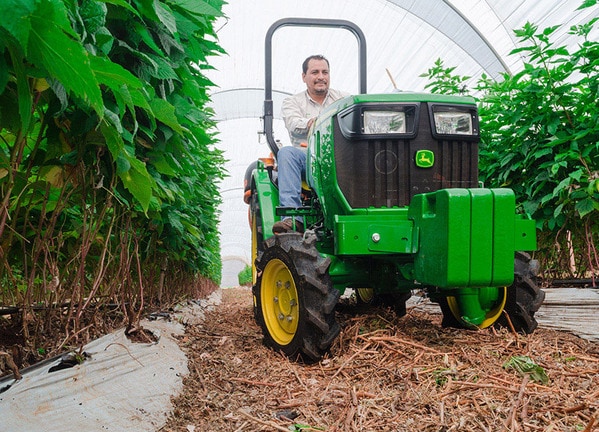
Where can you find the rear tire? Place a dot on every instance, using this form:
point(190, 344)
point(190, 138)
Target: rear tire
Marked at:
point(523, 299)
point(255, 221)
point(295, 299)
point(396, 301)
point(524, 296)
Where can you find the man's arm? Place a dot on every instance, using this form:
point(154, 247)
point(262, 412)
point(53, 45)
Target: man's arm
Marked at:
point(295, 117)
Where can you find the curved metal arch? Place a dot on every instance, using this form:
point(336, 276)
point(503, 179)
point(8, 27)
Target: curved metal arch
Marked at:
point(229, 104)
point(421, 9)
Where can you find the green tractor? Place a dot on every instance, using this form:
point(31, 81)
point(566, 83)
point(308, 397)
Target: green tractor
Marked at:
point(393, 204)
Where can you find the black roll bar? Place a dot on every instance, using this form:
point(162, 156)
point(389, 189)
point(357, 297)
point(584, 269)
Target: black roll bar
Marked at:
point(304, 22)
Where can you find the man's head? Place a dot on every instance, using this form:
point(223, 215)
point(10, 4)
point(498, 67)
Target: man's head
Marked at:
point(316, 75)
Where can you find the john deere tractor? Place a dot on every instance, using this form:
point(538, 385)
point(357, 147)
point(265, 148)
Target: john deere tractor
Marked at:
point(392, 204)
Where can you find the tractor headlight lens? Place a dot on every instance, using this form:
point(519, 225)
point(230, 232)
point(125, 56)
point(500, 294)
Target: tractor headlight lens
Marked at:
point(453, 123)
point(384, 122)
point(379, 120)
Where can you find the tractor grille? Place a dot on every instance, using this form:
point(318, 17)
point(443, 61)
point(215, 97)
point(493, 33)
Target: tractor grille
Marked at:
point(382, 173)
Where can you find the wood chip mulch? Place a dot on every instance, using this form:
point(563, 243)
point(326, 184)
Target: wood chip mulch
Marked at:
point(384, 374)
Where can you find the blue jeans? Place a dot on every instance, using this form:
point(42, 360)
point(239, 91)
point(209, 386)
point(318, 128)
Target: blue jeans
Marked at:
point(292, 169)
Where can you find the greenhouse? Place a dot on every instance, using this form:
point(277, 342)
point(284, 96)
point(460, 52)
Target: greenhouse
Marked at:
point(280, 215)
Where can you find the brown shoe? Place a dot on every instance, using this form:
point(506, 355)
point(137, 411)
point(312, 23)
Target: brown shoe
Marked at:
point(286, 225)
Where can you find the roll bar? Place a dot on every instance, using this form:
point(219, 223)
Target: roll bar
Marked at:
point(304, 22)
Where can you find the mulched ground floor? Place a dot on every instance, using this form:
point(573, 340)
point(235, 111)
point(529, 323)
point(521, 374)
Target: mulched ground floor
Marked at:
point(385, 374)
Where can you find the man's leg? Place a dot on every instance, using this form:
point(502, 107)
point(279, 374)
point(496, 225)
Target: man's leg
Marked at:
point(292, 167)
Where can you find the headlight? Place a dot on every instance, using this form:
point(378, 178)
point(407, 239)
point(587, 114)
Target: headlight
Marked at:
point(453, 123)
point(379, 120)
point(454, 120)
point(384, 122)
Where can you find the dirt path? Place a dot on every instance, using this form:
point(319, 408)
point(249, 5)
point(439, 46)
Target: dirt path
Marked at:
point(385, 374)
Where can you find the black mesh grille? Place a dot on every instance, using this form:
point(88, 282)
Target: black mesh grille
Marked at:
point(382, 173)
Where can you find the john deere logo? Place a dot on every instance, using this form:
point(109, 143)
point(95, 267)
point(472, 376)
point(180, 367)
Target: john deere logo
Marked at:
point(425, 158)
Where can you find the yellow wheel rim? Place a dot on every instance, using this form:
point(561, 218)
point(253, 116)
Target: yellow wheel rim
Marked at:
point(490, 317)
point(279, 301)
point(365, 294)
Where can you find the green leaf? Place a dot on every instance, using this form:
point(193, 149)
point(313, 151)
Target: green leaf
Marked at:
point(138, 182)
point(112, 74)
point(122, 3)
point(113, 138)
point(549, 30)
point(15, 18)
point(165, 112)
point(166, 17)
point(530, 207)
point(579, 194)
point(159, 161)
point(562, 185)
point(175, 220)
point(543, 152)
point(199, 7)
point(52, 46)
point(299, 427)
point(93, 15)
point(586, 4)
point(558, 210)
point(162, 68)
point(145, 35)
point(525, 365)
point(556, 167)
point(4, 76)
point(122, 164)
point(25, 99)
point(576, 175)
point(125, 86)
point(586, 206)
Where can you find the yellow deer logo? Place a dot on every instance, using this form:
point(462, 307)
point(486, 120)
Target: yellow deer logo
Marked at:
point(425, 158)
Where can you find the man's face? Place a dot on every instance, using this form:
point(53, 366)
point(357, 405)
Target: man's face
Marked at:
point(317, 77)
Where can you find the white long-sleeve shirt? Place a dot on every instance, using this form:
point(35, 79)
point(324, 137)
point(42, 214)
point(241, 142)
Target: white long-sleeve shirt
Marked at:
point(297, 110)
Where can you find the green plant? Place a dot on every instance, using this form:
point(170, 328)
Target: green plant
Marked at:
point(550, 152)
point(299, 427)
point(540, 137)
point(108, 166)
point(525, 365)
point(245, 276)
point(440, 376)
point(443, 80)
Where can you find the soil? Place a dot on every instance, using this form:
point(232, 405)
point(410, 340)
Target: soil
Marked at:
point(385, 373)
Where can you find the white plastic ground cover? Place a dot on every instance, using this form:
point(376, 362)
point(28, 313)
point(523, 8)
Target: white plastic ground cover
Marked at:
point(122, 386)
point(571, 309)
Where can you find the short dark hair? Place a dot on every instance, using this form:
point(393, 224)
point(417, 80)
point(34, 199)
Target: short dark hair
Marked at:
point(313, 57)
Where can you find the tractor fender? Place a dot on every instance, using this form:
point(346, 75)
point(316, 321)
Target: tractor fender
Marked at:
point(247, 181)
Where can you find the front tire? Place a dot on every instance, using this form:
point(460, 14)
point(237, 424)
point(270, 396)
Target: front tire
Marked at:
point(295, 299)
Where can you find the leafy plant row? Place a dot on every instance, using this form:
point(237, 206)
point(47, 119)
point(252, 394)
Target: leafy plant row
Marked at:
point(540, 137)
point(108, 169)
